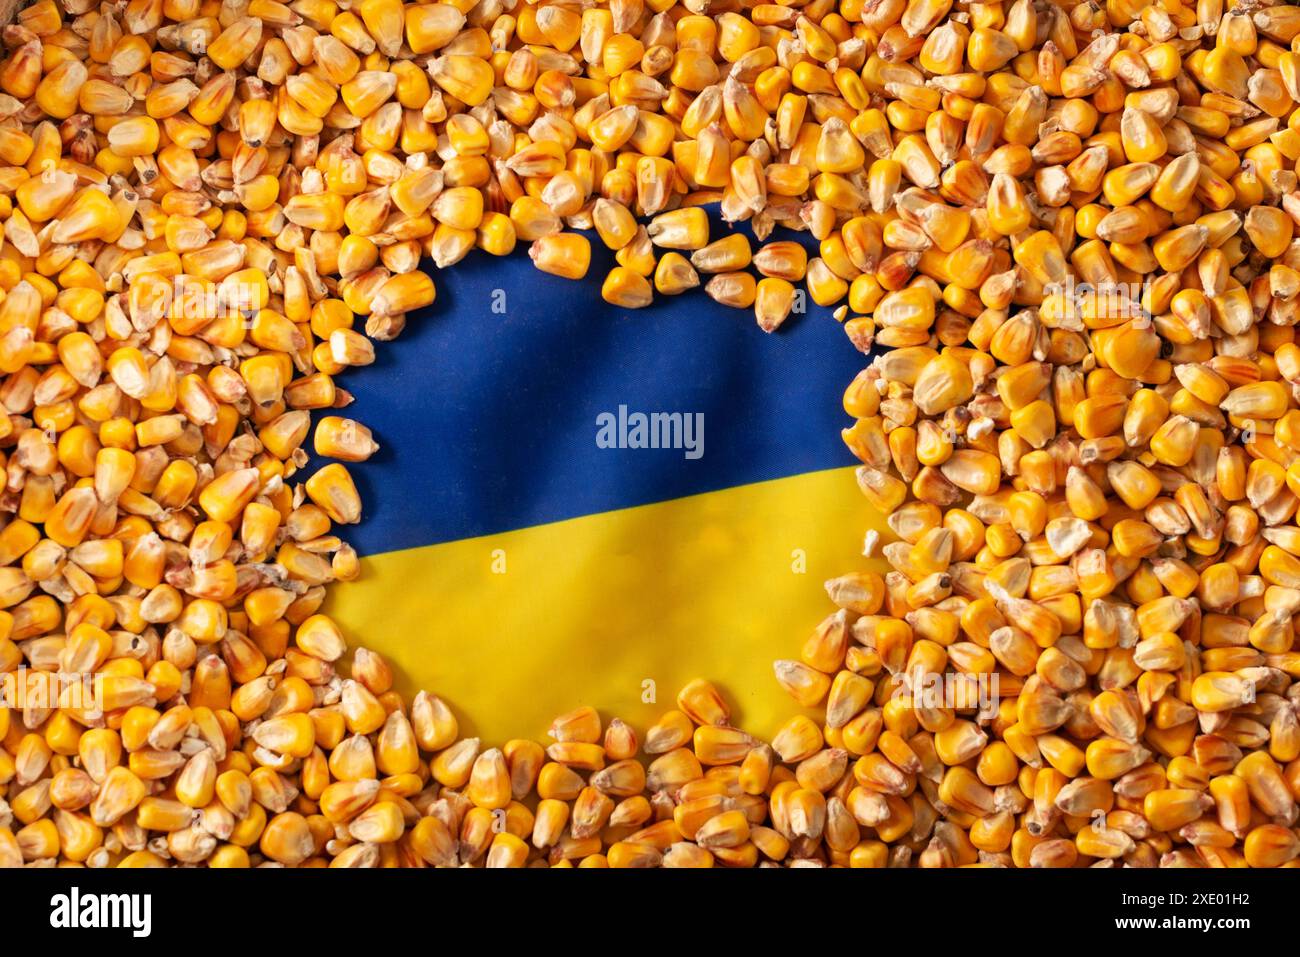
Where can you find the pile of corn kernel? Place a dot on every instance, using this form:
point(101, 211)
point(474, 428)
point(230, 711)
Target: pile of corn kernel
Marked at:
point(1071, 225)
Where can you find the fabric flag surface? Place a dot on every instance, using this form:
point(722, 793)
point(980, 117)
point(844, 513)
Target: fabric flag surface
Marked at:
point(526, 548)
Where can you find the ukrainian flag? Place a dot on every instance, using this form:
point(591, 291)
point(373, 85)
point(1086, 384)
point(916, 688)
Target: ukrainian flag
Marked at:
point(526, 547)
